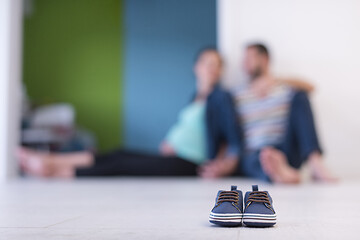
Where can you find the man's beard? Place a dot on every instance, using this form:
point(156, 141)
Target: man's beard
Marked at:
point(257, 73)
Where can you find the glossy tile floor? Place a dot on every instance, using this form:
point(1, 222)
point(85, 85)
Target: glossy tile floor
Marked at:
point(169, 208)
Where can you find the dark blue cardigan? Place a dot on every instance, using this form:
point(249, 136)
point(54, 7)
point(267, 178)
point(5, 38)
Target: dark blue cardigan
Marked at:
point(222, 124)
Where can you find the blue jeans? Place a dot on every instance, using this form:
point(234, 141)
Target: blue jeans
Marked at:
point(299, 142)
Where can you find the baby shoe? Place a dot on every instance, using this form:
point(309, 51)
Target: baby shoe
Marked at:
point(259, 210)
point(228, 209)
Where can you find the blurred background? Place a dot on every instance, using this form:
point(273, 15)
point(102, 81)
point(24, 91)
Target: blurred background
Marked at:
point(100, 74)
point(117, 63)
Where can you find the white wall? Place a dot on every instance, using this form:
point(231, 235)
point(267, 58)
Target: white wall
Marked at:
point(10, 72)
point(318, 40)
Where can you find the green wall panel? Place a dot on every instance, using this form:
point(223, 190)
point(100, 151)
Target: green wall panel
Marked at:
point(73, 53)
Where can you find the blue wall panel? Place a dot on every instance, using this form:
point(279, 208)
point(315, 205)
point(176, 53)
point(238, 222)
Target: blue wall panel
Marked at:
point(162, 38)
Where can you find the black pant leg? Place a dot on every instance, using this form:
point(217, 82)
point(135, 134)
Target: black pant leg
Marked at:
point(127, 163)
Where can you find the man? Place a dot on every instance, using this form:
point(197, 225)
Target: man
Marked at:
point(276, 120)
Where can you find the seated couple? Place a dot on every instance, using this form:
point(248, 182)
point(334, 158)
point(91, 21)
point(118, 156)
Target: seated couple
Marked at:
point(264, 129)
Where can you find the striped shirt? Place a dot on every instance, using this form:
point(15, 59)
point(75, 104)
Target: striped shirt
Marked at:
point(264, 119)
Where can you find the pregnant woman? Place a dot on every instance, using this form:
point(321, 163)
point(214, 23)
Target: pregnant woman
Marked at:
point(204, 141)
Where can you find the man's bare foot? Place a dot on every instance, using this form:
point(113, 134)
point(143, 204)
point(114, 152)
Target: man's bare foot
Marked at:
point(275, 165)
point(318, 169)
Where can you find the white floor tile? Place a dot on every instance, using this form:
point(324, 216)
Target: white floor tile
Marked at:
point(169, 208)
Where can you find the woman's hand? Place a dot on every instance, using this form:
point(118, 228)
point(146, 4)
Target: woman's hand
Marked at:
point(218, 168)
point(166, 149)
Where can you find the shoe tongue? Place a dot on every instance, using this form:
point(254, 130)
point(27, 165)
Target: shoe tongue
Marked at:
point(255, 188)
point(233, 188)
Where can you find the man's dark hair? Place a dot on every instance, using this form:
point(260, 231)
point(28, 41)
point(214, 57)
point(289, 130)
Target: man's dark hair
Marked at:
point(261, 48)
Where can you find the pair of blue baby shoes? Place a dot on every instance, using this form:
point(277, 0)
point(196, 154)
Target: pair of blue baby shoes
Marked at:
point(229, 208)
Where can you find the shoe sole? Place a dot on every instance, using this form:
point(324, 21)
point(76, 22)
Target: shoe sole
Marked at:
point(259, 220)
point(226, 219)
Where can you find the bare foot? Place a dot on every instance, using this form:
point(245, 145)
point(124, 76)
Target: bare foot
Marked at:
point(43, 164)
point(275, 165)
point(218, 168)
point(35, 163)
point(318, 169)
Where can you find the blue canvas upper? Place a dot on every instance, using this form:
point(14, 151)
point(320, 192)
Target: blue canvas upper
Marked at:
point(229, 206)
point(258, 207)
